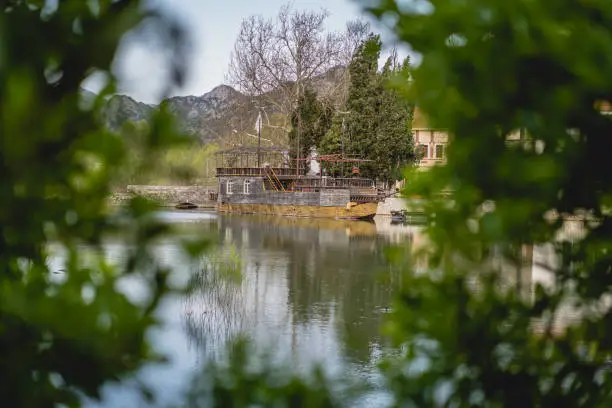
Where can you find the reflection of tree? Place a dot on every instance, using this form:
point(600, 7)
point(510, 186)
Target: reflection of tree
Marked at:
point(327, 272)
point(350, 277)
point(329, 276)
point(214, 307)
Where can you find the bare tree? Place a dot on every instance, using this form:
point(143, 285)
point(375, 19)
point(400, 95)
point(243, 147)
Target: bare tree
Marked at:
point(357, 31)
point(275, 59)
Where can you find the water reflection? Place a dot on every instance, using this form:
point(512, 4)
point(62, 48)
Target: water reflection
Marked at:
point(314, 290)
point(311, 289)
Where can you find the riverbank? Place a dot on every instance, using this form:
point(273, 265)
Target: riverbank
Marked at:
point(203, 197)
point(168, 196)
point(206, 198)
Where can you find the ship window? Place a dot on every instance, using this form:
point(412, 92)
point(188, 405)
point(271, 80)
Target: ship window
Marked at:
point(230, 187)
point(247, 186)
point(439, 151)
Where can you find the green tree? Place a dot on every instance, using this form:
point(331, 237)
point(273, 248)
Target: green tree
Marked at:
point(376, 123)
point(311, 118)
point(65, 329)
point(333, 142)
point(363, 104)
point(354, 130)
point(491, 71)
point(393, 148)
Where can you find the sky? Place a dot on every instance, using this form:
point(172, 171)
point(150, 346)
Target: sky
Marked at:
point(213, 26)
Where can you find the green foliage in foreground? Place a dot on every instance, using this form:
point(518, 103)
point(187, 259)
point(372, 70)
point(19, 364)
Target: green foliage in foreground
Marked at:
point(481, 328)
point(65, 327)
point(489, 69)
point(245, 381)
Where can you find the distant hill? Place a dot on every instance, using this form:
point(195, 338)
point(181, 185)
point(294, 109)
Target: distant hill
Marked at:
point(220, 113)
point(121, 108)
point(207, 116)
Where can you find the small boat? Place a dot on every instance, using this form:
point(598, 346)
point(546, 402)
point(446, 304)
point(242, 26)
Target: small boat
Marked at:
point(185, 206)
point(405, 217)
point(399, 215)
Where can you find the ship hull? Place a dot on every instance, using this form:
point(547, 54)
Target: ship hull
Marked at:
point(354, 211)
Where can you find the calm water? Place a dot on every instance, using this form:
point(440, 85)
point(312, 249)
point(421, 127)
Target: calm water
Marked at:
point(315, 291)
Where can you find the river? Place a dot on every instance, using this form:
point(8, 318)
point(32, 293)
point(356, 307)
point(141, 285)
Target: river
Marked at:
point(310, 291)
point(313, 291)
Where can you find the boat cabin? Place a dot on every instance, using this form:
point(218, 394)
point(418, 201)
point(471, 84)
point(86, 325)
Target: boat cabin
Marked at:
point(266, 174)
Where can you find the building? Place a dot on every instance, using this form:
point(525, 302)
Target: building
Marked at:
point(430, 143)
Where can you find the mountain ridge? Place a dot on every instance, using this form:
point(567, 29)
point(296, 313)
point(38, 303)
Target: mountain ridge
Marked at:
point(211, 116)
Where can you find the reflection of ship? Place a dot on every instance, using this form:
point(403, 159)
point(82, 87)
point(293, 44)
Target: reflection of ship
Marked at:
point(261, 181)
point(352, 228)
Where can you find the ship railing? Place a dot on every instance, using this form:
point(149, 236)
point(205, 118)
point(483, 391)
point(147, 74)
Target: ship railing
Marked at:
point(254, 171)
point(335, 183)
point(353, 190)
point(364, 198)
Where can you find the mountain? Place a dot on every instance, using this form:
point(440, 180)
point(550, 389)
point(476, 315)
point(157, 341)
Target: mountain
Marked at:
point(121, 108)
point(207, 116)
point(221, 113)
point(204, 115)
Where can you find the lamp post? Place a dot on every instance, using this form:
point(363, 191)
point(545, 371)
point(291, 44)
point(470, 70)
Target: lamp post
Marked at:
point(342, 140)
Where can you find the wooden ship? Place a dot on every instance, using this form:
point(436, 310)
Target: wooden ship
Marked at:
point(258, 180)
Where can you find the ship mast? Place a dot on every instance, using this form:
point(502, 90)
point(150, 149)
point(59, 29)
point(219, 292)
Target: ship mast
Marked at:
point(258, 126)
point(297, 153)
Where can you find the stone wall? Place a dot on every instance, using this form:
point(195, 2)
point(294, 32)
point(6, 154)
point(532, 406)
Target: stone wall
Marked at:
point(256, 187)
point(173, 195)
point(273, 197)
point(335, 198)
point(256, 194)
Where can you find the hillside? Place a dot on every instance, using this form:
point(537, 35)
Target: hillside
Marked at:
point(121, 108)
point(221, 113)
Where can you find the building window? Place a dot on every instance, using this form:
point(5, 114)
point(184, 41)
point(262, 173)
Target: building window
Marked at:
point(247, 186)
point(423, 151)
point(439, 151)
point(230, 187)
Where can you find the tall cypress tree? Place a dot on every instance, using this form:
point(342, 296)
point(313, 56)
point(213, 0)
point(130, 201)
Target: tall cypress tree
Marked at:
point(394, 145)
point(363, 103)
point(377, 126)
point(315, 117)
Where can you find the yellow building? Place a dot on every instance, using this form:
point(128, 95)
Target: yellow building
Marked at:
point(430, 143)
